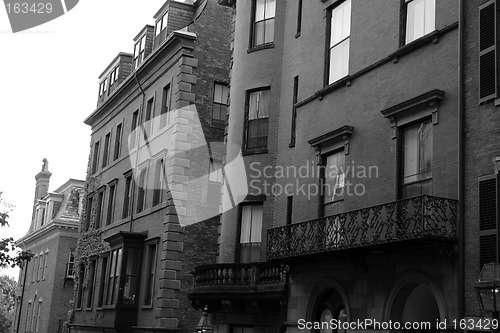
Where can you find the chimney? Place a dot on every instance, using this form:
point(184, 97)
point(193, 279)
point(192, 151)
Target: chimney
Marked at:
point(42, 184)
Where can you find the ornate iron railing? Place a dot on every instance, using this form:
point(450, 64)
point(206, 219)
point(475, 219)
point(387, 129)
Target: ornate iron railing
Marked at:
point(234, 275)
point(422, 217)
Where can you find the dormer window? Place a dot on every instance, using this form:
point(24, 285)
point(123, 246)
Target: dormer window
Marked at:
point(139, 49)
point(103, 87)
point(114, 76)
point(161, 24)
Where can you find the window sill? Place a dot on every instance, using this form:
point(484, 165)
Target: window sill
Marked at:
point(261, 47)
point(297, 35)
point(254, 151)
point(413, 45)
point(147, 307)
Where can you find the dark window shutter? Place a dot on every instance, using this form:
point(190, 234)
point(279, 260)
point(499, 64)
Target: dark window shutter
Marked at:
point(487, 220)
point(488, 82)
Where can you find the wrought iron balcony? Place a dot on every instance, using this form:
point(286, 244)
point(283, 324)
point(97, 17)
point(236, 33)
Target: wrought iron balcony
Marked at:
point(419, 218)
point(226, 281)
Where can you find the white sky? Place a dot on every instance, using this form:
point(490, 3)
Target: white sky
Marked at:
point(48, 86)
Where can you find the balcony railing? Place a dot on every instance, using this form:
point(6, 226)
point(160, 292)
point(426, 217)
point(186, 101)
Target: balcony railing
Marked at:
point(423, 217)
point(220, 278)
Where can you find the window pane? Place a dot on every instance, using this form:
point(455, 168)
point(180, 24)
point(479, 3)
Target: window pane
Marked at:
point(339, 61)
point(326, 317)
point(425, 151)
point(246, 223)
point(218, 93)
point(270, 9)
point(131, 277)
point(410, 155)
point(264, 100)
point(340, 23)
point(259, 33)
point(259, 10)
point(269, 31)
point(334, 178)
point(420, 19)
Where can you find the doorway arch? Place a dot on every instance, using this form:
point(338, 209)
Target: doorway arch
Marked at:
point(415, 298)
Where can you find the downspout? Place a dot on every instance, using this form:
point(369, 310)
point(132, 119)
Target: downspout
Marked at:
point(461, 164)
point(22, 297)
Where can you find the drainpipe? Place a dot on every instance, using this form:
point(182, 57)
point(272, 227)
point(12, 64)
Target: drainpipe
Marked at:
point(461, 164)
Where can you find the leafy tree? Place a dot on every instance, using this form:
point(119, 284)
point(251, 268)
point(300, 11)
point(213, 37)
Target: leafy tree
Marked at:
point(7, 302)
point(8, 254)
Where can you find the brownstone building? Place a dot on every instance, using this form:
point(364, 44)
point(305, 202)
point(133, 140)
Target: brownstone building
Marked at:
point(154, 175)
point(46, 282)
point(346, 114)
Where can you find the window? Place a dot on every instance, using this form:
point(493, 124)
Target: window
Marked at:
point(28, 316)
point(141, 190)
point(102, 281)
point(294, 111)
point(88, 215)
point(160, 182)
point(38, 315)
point(215, 179)
point(251, 232)
point(118, 142)
point(299, 17)
point(127, 196)
point(148, 123)
point(161, 24)
point(133, 134)
point(70, 273)
point(263, 23)
point(165, 106)
point(139, 49)
point(45, 264)
point(103, 87)
point(488, 64)
point(258, 118)
point(42, 217)
point(114, 76)
point(417, 160)
point(333, 181)
point(98, 212)
point(35, 267)
point(219, 109)
point(340, 32)
point(150, 274)
point(113, 276)
point(106, 150)
point(79, 292)
point(111, 203)
point(289, 210)
point(132, 270)
point(487, 188)
point(95, 158)
point(34, 314)
point(420, 18)
point(89, 288)
point(41, 265)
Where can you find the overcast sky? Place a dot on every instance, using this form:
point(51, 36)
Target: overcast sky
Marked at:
point(48, 85)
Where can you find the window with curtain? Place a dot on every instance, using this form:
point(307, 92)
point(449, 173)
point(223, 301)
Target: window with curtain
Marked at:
point(258, 119)
point(420, 18)
point(263, 25)
point(340, 33)
point(417, 153)
point(251, 232)
point(333, 181)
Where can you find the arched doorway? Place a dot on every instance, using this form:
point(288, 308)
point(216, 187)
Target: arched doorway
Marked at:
point(328, 303)
point(414, 304)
